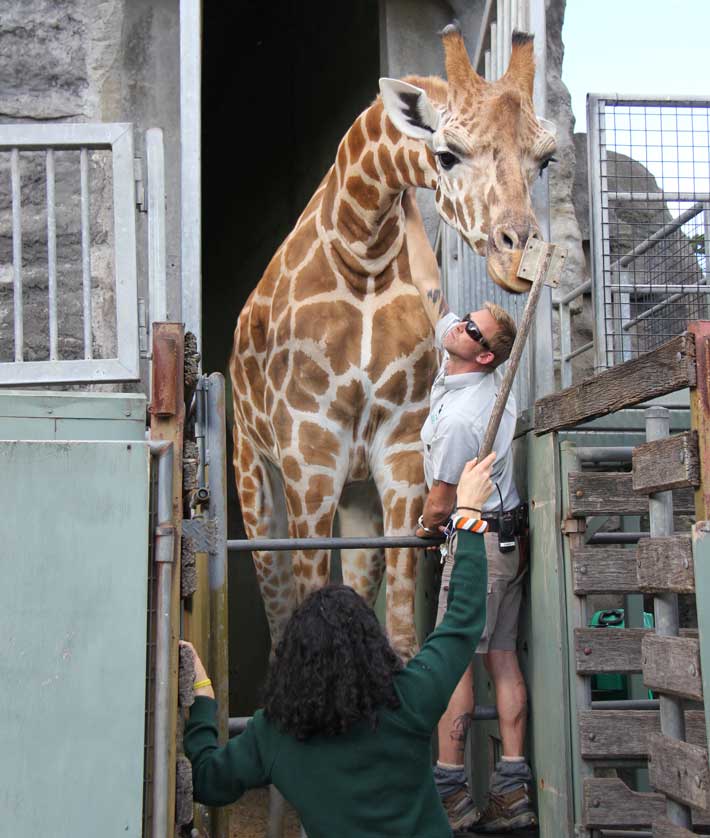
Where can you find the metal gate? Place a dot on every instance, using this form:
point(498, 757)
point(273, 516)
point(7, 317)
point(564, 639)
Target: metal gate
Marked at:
point(649, 181)
point(70, 217)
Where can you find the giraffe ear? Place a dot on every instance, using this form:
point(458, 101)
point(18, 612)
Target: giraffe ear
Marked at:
point(409, 108)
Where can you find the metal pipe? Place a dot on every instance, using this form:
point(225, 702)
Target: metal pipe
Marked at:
point(580, 349)
point(481, 713)
point(627, 704)
point(646, 314)
point(574, 293)
point(17, 313)
point(665, 606)
point(699, 287)
point(157, 281)
point(52, 256)
point(163, 555)
point(666, 230)
point(281, 544)
point(565, 346)
point(658, 197)
point(596, 454)
point(86, 251)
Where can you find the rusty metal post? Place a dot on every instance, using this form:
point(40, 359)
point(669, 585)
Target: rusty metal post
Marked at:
point(167, 419)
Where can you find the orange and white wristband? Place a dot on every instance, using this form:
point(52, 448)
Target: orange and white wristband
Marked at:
point(463, 522)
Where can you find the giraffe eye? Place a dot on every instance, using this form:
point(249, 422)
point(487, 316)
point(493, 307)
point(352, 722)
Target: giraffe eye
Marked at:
point(447, 160)
point(545, 163)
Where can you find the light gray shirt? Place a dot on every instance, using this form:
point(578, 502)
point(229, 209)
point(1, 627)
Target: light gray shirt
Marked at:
point(460, 407)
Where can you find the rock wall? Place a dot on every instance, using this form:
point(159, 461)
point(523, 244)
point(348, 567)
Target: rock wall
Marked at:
point(80, 61)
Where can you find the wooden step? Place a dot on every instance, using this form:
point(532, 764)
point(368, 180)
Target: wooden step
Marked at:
point(604, 570)
point(671, 665)
point(663, 828)
point(679, 770)
point(612, 493)
point(608, 803)
point(623, 734)
point(665, 565)
point(664, 464)
point(666, 369)
point(601, 650)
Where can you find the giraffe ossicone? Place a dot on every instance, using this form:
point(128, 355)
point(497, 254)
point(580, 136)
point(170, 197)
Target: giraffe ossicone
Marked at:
point(333, 354)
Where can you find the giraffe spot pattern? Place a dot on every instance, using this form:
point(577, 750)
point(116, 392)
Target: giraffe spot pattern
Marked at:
point(336, 327)
point(318, 445)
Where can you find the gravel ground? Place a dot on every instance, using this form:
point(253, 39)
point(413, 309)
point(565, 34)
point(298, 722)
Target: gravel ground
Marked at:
point(248, 817)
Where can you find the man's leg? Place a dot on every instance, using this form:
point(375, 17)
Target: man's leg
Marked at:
point(509, 805)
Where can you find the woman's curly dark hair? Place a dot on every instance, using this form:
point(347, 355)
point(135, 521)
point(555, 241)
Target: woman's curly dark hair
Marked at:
point(333, 667)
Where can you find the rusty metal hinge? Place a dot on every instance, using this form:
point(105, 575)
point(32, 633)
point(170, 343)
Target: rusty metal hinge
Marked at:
point(573, 526)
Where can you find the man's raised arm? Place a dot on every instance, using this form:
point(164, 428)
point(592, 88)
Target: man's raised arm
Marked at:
point(422, 261)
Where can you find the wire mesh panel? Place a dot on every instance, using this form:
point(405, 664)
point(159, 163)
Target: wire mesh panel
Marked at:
point(649, 170)
point(68, 277)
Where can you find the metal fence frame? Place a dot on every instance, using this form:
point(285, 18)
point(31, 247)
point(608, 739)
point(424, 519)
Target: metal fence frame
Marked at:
point(607, 352)
point(118, 139)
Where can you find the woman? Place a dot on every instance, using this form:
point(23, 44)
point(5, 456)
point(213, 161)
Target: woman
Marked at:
point(345, 733)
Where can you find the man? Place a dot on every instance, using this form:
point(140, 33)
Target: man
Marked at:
point(462, 399)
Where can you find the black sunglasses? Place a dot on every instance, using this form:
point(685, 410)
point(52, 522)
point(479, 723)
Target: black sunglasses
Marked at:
point(474, 332)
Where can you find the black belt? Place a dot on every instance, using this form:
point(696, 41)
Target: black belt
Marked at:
point(520, 519)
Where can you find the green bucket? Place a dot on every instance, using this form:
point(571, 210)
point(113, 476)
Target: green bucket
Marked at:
point(613, 686)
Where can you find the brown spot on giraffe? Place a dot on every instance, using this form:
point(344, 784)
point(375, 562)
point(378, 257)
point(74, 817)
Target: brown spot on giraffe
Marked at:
point(317, 445)
point(394, 389)
point(356, 141)
point(282, 424)
point(297, 247)
point(394, 341)
point(366, 195)
point(408, 428)
point(278, 368)
point(406, 467)
point(307, 379)
point(337, 327)
point(373, 122)
point(368, 166)
point(291, 468)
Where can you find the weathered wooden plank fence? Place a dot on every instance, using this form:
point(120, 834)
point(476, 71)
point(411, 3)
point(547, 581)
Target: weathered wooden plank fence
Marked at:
point(670, 476)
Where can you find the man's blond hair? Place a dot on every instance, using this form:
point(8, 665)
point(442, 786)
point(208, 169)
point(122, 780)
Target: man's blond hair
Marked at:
point(502, 341)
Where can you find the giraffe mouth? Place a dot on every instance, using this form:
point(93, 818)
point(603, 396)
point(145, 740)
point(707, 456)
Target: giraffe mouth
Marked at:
point(503, 270)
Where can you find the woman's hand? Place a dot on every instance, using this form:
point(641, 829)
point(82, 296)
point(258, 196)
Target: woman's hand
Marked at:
point(200, 672)
point(475, 485)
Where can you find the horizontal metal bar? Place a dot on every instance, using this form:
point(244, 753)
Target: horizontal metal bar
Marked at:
point(574, 293)
point(664, 232)
point(281, 544)
point(617, 537)
point(658, 197)
point(30, 373)
point(625, 833)
point(599, 453)
point(578, 351)
point(646, 314)
point(699, 287)
point(628, 704)
point(481, 713)
point(61, 135)
point(611, 99)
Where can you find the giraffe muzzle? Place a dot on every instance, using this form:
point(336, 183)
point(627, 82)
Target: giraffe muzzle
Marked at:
point(506, 243)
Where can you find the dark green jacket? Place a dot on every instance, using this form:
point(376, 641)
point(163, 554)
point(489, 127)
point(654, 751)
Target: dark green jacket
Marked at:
point(363, 783)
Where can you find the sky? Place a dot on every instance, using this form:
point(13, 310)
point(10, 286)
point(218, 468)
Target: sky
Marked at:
point(649, 47)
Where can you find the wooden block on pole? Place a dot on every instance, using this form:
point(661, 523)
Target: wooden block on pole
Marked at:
point(612, 493)
point(671, 665)
point(665, 564)
point(608, 649)
point(608, 803)
point(664, 464)
point(623, 734)
point(679, 770)
point(604, 570)
point(666, 369)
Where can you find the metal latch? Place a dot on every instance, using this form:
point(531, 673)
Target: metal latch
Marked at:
point(535, 252)
point(140, 184)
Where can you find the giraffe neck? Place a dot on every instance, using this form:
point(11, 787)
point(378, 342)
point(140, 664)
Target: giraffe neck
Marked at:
point(361, 216)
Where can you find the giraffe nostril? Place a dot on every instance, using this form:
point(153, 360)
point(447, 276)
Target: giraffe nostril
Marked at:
point(507, 242)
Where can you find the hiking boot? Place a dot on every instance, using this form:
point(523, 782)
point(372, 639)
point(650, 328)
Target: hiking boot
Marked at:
point(507, 812)
point(461, 811)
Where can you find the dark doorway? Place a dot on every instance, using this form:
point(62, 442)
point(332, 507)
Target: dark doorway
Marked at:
point(282, 82)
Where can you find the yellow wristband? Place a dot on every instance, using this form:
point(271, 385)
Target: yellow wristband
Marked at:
point(199, 684)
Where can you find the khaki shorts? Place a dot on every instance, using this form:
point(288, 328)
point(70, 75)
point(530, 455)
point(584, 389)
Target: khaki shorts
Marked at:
point(505, 581)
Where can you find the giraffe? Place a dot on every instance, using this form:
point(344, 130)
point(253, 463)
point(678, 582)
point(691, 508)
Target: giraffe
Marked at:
point(333, 353)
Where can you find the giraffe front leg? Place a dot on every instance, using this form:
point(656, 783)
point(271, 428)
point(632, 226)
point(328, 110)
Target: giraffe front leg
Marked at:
point(360, 516)
point(261, 498)
point(402, 503)
point(311, 501)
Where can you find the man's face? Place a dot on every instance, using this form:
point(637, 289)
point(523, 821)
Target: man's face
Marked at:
point(461, 342)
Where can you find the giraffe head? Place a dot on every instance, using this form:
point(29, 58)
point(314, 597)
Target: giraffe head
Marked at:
point(489, 148)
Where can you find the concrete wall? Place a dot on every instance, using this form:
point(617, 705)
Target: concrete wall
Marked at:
point(82, 61)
